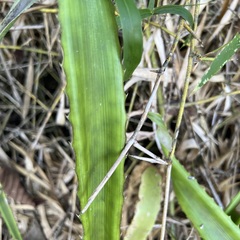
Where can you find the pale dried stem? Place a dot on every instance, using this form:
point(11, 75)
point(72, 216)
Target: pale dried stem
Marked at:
point(180, 115)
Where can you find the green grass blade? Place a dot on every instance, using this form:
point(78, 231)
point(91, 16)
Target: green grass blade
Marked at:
point(171, 9)
point(95, 88)
point(151, 4)
point(231, 209)
point(8, 217)
point(233, 204)
point(131, 24)
point(221, 59)
point(207, 217)
point(162, 133)
point(17, 8)
point(147, 207)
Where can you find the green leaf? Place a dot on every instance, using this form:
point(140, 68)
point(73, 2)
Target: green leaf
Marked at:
point(17, 8)
point(207, 217)
point(97, 111)
point(151, 4)
point(132, 35)
point(8, 217)
point(171, 9)
point(221, 59)
point(162, 133)
point(231, 209)
point(147, 207)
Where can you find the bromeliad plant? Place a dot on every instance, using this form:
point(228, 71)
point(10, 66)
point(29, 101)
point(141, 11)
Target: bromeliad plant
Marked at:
point(95, 73)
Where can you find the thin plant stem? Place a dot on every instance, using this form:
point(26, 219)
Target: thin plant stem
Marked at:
point(134, 161)
point(179, 119)
point(202, 101)
point(49, 114)
point(167, 189)
point(132, 101)
point(166, 201)
point(186, 85)
point(149, 153)
point(165, 30)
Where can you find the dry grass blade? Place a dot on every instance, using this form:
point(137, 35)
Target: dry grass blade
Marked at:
point(11, 185)
point(28, 85)
point(17, 8)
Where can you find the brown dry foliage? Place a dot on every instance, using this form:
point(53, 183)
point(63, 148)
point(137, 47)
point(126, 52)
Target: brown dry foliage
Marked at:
point(36, 159)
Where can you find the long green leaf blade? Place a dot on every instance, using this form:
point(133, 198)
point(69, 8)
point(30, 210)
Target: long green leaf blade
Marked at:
point(8, 217)
point(221, 59)
point(207, 217)
point(95, 88)
point(171, 9)
point(17, 8)
point(132, 35)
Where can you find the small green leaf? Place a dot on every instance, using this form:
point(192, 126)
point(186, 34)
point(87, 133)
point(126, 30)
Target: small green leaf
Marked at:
point(17, 8)
point(147, 207)
point(231, 209)
point(131, 24)
point(221, 59)
point(162, 133)
point(171, 9)
point(8, 217)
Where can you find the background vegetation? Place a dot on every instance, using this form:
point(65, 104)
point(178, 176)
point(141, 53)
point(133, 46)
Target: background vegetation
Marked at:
point(37, 161)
